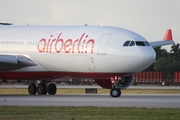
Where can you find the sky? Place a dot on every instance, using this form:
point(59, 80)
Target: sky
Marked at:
point(149, 18)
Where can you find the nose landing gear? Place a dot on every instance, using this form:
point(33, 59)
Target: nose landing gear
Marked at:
point(116, 85)
point(115, 92)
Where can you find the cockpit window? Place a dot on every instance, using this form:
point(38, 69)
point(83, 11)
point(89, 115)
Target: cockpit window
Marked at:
point(132, 43)
point(126, 43)
point(147, 43)
point(140, 43)
point(137, 43)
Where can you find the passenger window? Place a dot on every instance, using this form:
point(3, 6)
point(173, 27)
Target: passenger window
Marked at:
point(126, 43)
point(132, 43)
point(140, 43)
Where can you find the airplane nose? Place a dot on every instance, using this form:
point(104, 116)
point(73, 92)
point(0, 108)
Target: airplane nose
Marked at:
point(148, 56)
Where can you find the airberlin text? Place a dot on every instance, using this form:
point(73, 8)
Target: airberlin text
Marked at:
point(58, 44)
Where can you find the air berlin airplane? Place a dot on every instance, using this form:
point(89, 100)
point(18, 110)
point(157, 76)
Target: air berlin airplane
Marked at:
point(109, 55)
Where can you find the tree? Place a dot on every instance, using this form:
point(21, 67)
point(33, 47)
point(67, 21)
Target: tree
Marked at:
point(175, 51)
point(159, 53)
point(165, 61)
point(168, 65)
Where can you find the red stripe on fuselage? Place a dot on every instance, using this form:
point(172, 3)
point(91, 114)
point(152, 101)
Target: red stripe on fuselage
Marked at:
point(51, 75)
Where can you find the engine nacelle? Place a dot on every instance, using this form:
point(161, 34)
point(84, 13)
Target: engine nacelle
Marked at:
point(124, 83)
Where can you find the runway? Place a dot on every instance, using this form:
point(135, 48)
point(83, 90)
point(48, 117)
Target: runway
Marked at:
point(148, 101)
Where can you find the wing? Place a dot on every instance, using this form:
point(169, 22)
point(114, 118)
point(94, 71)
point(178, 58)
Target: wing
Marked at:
point(14, 61)
point(166, 41)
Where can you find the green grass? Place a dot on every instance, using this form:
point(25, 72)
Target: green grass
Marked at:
point(86, 113)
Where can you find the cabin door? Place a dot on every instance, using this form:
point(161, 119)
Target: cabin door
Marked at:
point(102, 46)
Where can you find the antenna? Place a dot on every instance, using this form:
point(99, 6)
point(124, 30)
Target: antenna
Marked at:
point(101, 24)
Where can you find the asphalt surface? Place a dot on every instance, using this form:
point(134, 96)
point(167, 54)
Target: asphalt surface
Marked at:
point(148, 101)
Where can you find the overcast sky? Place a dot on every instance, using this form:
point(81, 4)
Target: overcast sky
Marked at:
point(149, 18)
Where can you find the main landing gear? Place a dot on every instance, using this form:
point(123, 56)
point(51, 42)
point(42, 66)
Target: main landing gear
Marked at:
point(116, 85)
point(42, 89)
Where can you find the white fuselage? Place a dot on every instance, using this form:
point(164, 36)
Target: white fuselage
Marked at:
point(76, 49)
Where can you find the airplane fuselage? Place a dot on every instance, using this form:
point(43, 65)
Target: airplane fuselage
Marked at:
point(75, 51)
point(109, 55)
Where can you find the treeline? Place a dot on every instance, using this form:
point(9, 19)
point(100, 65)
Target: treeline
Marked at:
point(168, 62)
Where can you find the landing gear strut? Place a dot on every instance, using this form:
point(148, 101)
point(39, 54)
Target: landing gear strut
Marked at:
point(116, 84)
point(42, 89)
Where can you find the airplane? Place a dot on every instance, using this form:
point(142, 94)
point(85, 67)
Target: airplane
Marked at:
point(109, 55)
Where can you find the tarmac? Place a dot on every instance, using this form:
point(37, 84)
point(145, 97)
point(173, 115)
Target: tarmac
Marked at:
point(147, 101)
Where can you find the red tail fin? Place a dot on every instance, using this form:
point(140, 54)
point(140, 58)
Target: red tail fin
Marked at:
point(168, 35)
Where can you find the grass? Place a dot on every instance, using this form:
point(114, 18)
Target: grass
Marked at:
point(151, 91)
point(100, 91)
point(87, 113)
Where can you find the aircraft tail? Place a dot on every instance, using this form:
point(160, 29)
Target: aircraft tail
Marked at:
point(168, 35)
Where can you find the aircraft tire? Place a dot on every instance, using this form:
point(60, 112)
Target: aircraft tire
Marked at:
point(115, 92)
point(41, 89)
point(52, 89)
point(32, 89)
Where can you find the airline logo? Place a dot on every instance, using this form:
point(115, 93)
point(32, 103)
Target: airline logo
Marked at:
point(58, 44)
